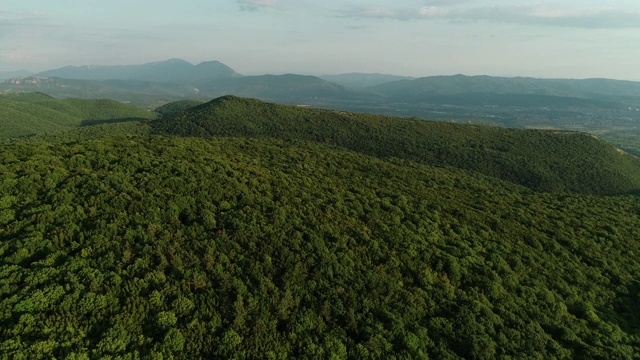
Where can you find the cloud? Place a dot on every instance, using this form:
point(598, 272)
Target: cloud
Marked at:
point(13, 24)
point(547, 15)
point(253, 5)
point(379, 12)
point(19, 55)
point(357, 27)
point(444, 2)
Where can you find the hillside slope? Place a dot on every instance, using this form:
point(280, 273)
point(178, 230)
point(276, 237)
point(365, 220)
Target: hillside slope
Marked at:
point(26, 96)
point(190, 248)
point(175, 107)
point(540, 160)
point(29, 114)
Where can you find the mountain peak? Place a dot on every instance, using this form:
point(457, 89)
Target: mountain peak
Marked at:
point(211, 62)
point(242, 103)
point(179, 60)
point(173, 61)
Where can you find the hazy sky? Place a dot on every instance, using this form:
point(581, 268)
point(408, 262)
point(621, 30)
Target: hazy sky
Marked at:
point(567, 39)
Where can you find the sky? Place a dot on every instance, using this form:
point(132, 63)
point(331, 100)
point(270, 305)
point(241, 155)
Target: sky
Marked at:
point(547, 39)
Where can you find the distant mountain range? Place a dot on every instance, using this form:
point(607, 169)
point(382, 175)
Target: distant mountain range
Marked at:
point(285, 88)
point(174, 71)
point(438, 88)
point(175, 79)
point(158, 82)
point(291, 89)
point(362, 80)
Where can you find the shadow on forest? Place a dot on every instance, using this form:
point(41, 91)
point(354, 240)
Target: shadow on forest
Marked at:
point(635, 192)
point(623, 310)
point(109, 121)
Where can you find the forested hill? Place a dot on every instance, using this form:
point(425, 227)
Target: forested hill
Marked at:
point(23, 114)
point(217, 248)
point(176, 107)
point(243, 229)
point(554, 161)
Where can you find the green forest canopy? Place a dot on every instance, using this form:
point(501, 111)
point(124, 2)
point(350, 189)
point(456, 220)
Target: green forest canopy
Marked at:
point(556, 161)
point(133, 245)
point(541, 160)
point(26, 114)
point(252, 248)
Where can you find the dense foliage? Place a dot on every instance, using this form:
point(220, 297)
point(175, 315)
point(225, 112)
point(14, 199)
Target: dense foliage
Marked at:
point(278, 242)
point(541, 160)
point(264, 248)
point(176, 107)
point(35, 113)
